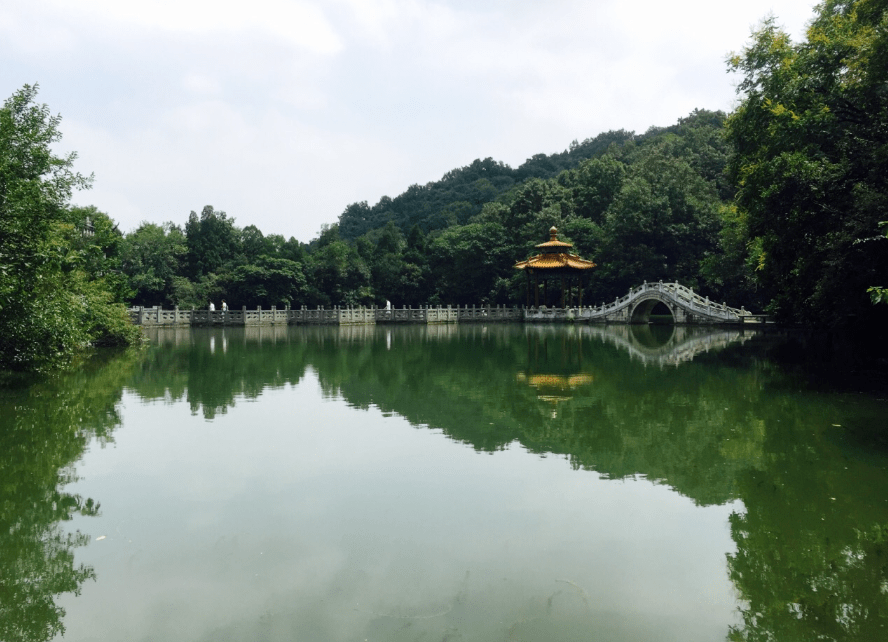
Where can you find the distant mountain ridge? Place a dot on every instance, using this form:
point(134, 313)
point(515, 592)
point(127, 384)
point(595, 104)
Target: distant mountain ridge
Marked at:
point(461, 192)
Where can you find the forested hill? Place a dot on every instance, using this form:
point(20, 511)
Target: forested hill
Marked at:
point(461, 192)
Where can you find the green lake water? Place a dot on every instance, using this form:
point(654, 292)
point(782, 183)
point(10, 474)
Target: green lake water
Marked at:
point(645, 483)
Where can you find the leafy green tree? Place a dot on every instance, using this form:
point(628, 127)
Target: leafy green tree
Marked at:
point(96, 237)
point(594, 185)
point(879, 294)
point(388, 267)
point(269, 282)
point(254, 243)
point(467, 261)
point(50, 306)
point(213, 242)
point(336, 272)
point(293, 250)
point(729, 270)
point(811, 141)
point(660, 225)
point(154, 257)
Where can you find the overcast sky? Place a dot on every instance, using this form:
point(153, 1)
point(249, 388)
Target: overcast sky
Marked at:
point(282, 112)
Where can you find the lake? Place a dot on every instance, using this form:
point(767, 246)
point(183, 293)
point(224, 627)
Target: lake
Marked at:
point(500, 482)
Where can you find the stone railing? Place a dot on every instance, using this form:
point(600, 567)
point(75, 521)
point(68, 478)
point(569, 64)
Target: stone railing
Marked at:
point(686, 307)
point(158, 316)
point(176, 317)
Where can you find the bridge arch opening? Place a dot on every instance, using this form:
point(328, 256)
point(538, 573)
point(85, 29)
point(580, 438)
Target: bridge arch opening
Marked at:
point(652, 311)
point(653, 336)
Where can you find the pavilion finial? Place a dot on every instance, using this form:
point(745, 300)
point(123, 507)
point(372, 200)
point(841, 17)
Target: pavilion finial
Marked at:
point(553, 233)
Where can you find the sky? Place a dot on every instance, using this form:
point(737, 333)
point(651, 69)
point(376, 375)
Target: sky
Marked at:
point(281, 113)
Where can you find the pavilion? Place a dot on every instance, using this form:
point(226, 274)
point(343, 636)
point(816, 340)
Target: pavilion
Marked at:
point(557, 264)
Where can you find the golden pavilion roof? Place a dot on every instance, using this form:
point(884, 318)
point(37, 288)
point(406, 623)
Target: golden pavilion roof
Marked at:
point(555, 256)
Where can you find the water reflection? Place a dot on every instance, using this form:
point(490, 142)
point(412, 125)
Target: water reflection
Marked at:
point(721, 424)
point(714, 423)
point(668, 345)
point(45, 429)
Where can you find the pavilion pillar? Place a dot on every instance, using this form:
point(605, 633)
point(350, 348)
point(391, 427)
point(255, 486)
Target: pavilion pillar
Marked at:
point(527, 284)
point(581, 290)
point(562, 292)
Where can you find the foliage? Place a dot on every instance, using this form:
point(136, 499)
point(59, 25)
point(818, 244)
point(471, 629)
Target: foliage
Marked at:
point(879, 294)
point(153, 256)
point(269, 282)
point(97, 240)
point(461, 193)
point(212, 241)
point(467, 260)
point(337, 274)
point(811, 145)
point(58, 291)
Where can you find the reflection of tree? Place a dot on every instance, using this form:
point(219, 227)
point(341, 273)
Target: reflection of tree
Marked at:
point(211, 368)
point(44, 429)
point(812, 546)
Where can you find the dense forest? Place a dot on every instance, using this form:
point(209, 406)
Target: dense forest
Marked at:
point(778, 207)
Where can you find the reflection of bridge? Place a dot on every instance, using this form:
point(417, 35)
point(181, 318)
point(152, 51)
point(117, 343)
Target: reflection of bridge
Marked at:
point(657, 345)
point(683, 303)
point(675, 346)
point(654, 345)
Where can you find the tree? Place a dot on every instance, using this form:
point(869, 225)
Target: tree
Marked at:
point(879, 294)
point(594, 184)
point(254, 243)
point(467, 261)
point(153, 257)
point(660, 224)
point(95, 236)
point(50, 306)
point(811, 147)
point(271, 281)
point(388, 267)
point(212, 242)
point(336, 272)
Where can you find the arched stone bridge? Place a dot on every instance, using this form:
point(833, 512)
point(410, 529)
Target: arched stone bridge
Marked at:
point(683, 303)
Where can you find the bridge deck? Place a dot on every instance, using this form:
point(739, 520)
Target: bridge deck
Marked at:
point(685, 306)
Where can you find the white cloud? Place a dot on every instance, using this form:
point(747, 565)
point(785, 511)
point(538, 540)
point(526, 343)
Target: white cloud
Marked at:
point(284, 112)
point(299, 23)
point(201, 84)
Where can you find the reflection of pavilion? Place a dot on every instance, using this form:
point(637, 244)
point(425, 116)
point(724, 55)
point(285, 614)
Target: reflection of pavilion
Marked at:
point(558, 264)
point(554, 367)
point(554, 388)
